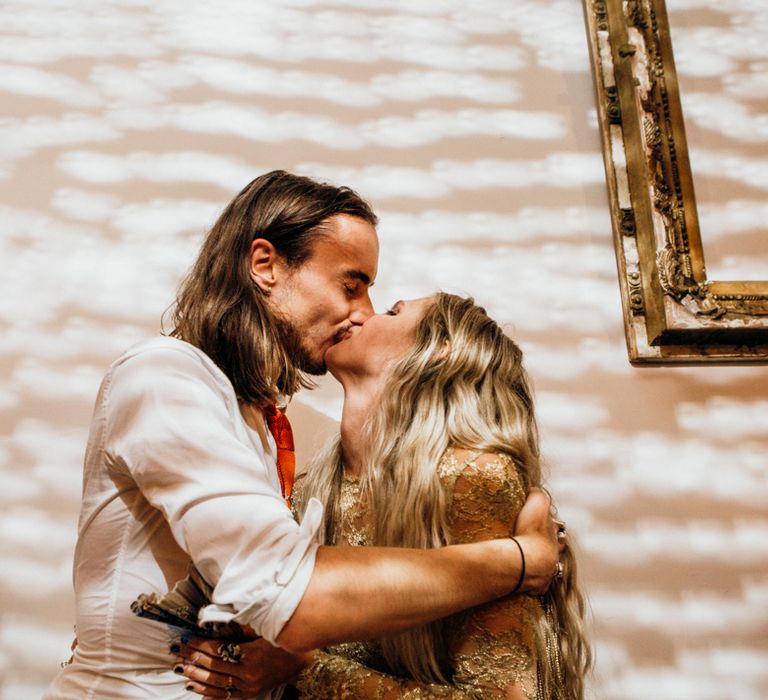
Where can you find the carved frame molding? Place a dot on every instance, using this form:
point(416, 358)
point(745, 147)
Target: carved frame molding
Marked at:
point(672, 313)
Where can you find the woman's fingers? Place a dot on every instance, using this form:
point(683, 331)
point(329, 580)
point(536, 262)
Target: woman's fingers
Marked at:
point(210, 680)
point(211, 691)
point(211, 647)
point(259, 666)
point(198, 662)
point(204, 662)
point(190, 655)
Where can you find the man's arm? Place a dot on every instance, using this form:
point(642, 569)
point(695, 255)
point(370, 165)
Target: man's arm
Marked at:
point(354, 596)
point(365, 592)
point(169, 423)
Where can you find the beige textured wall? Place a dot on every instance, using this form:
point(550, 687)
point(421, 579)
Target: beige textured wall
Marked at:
point(127, 125)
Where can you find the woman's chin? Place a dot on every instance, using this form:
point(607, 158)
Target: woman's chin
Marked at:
point(332, 360)
point(339, 367)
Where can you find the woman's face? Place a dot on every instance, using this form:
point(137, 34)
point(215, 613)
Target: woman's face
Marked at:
point(367, 350)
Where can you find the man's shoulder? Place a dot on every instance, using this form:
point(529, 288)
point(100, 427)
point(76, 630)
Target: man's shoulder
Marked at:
point(162, 344)
point(165, 352)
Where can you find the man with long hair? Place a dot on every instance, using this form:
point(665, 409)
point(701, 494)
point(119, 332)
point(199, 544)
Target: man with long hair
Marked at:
point(180, 467)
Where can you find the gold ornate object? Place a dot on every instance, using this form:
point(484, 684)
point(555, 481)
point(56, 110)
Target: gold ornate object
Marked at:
point(180, 606)
point(672, 312)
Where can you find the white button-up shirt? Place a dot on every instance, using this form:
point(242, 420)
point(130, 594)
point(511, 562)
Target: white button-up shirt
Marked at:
point(173, 477)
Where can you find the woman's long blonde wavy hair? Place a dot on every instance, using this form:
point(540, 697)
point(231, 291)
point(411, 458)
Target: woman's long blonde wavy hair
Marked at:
point(461, 384)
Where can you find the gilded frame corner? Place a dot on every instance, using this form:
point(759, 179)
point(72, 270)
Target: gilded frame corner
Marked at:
point(673, 314)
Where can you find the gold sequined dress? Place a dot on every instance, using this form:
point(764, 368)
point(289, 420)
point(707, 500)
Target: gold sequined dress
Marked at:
point(491, 648)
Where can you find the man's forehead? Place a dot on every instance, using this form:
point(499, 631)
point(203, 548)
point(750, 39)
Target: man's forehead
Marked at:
point(353, 245)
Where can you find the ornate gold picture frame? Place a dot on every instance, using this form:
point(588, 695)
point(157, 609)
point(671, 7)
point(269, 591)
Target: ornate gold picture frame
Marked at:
point(672, 312)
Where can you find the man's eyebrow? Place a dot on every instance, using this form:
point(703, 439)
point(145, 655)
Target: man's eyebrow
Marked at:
point(359, 275)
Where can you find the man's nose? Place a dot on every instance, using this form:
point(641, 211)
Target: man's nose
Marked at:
point(362, 310)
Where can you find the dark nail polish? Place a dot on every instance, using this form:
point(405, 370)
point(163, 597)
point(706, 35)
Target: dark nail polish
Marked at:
point(189, 686)
point(175, 648)
point(178, 669)
point(184, 640)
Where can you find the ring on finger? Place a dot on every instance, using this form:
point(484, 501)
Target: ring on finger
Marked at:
point(230, 686)
point(230, 652)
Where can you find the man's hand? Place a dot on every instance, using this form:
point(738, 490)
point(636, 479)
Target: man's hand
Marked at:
point(261, 667)
point(536, 532)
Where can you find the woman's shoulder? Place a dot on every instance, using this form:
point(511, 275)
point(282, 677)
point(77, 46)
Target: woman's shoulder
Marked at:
point(485, 491)
point(477, 464)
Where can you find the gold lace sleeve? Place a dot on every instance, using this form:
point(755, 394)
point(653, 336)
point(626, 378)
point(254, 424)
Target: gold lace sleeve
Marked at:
point(333, 677)
point(492, 647)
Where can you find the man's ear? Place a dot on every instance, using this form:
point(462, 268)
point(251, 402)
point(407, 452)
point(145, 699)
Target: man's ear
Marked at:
point(262, 263)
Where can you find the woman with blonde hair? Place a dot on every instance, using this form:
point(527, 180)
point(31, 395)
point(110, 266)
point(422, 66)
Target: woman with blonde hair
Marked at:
point(439, 445)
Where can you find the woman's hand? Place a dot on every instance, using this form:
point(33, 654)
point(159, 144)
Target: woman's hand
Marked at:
point(260, 667)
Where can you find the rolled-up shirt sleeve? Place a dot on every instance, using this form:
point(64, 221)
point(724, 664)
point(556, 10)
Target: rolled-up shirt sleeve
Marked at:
point(173, 424)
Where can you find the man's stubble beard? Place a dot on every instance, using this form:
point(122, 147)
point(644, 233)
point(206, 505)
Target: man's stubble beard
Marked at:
point(292, 342)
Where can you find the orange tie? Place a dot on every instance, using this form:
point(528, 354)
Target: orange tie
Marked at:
point(286, 456)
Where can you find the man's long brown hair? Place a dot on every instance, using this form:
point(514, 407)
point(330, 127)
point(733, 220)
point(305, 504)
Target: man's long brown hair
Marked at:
point(219, 308)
